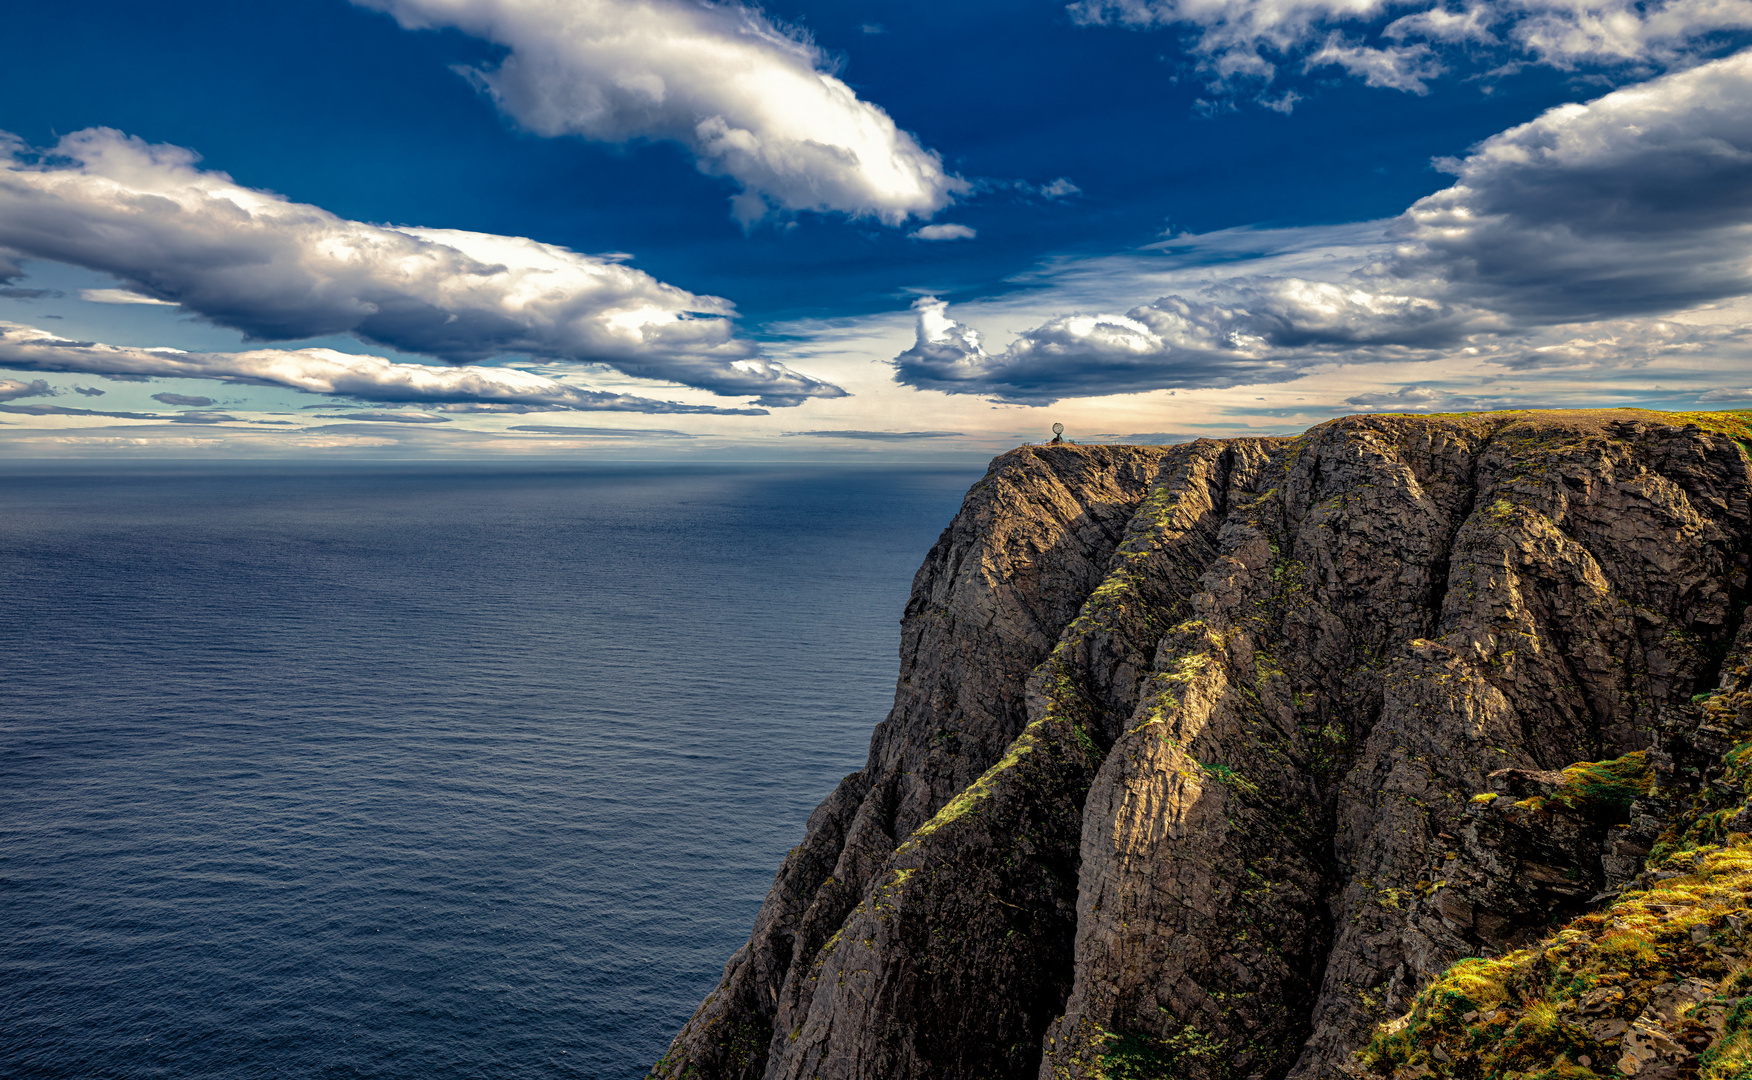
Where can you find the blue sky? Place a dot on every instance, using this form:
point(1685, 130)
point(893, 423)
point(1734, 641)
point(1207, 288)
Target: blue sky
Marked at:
point(597, 227)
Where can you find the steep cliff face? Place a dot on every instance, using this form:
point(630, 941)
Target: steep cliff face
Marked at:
point(1181, 771)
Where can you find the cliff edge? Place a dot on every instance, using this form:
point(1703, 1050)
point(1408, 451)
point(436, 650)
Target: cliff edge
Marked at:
point(1206, 760)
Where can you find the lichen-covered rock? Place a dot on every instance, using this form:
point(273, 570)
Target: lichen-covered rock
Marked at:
point(1205, 760)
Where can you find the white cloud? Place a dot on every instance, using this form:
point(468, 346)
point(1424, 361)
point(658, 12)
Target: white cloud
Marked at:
point(1397, 67)
point(280, 270)
point(943, 232)
point(120, 296)
point(1560, 240)
point(1242, 40)
point(750, 99)
point(1060, 189)
point(324, 371)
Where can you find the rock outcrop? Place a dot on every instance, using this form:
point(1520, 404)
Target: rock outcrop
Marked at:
point(1657, 983)
point(1206, 759)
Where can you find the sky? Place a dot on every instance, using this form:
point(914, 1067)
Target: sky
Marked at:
point(666, 229)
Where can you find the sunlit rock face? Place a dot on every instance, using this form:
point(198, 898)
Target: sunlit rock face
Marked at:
point(1206, 759)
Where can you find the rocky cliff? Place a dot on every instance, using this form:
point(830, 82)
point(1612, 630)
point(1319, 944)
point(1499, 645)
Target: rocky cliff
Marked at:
point(1205, 760)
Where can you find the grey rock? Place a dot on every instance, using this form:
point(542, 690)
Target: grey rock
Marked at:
point(1180, 775)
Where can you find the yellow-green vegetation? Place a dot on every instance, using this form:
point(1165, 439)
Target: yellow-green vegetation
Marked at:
point(1123, 607)
point(1658, 980)
point(1736, 424)
point(1599, 790)
point(1138, 1057)
point(1231, 779)
point(981, 789)
point(1559, 1011)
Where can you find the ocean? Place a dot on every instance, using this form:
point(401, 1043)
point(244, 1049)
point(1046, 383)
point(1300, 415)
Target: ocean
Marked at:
point(432, 772)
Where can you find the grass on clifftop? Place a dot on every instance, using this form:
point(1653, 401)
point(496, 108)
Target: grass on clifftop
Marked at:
point(1736, 424)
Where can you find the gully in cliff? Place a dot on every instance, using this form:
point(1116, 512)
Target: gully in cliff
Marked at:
point(1212, 760)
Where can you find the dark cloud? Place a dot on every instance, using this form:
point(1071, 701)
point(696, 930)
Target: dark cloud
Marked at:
point(88, 391)
point(12, 389)
point(64, 410)
point(181, 399)
point(1637, 203)
point(15, 293)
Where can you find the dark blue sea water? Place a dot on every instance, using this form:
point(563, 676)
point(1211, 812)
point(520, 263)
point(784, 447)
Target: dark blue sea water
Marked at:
point(418, 773)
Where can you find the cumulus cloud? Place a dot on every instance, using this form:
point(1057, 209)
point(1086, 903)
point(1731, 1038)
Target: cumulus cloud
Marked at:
point(943, 232)
point(87, 391)
point(12, 389)
point(1635, 204)
point(753, 101)
point(325, 371)
point(1237, 41)
point(182, 399)
point(278, 270)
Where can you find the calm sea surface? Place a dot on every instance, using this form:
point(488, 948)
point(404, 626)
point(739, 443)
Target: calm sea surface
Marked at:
point(419, 773)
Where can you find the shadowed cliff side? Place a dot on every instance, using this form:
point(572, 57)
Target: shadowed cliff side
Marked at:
point(1032, 540)
point(1179, 779)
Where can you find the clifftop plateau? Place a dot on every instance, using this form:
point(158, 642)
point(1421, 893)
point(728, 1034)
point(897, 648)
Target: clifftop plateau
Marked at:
point(1213, 760)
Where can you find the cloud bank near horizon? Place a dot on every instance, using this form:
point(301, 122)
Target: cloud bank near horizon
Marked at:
point(325, 371)
point(1613, 212)
point(751, 100)
point(277, 270)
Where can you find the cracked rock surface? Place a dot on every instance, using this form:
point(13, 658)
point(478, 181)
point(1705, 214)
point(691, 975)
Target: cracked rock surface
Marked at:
point(1206, 759)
